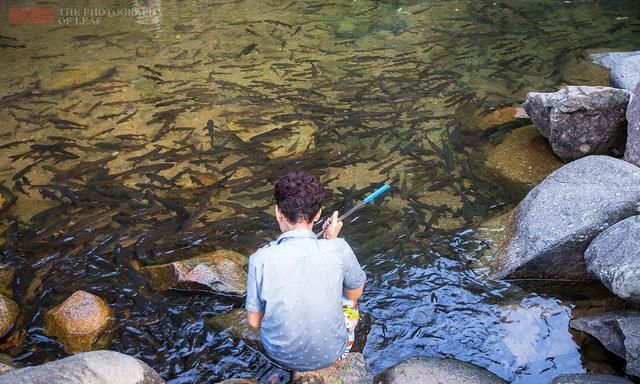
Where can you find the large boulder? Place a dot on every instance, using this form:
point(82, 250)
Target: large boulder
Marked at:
point(632, 151)
point(8, 314)
point(614, 258)
point(523, 157)
point(589, 378)
point(221, 271)
point(552, 227)
point(580, 121)
point(619, 332)
point(436, 370)
point(99, 367)
point(624, 66)
point(352, 370)
point(79, 322)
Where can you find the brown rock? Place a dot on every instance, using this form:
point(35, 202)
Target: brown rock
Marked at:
point(494, 232)
point(79, 321)
point(8, 314)
point(221, 271)
point(6, 363)
point(523, 157)
point(352, 370)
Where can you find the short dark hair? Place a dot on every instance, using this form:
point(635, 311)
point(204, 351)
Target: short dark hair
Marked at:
point(299, 196)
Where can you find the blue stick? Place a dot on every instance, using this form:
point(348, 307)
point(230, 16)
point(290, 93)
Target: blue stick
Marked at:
point(361, 204)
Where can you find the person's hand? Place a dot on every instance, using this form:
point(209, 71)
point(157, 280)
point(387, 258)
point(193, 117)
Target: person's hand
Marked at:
point(332, 226)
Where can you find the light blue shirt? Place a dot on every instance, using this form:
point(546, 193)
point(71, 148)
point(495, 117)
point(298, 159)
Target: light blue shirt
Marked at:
point(297, 281)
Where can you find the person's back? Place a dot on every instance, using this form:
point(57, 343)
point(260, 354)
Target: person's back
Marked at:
point(296, 284)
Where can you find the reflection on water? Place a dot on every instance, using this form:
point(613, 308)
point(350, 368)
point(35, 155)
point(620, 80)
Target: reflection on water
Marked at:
point(151, 138)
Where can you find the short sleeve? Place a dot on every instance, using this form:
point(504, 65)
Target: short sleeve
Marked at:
point(354, 276)
point(254, 278)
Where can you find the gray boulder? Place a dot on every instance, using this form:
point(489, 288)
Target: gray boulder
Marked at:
point(588, 378)
point(632, 152)
point(624, 66)
point(614, 258)
point(98, 367)
point(619, 332)
point(580, 121)
point(554, 224)
point(436, 370)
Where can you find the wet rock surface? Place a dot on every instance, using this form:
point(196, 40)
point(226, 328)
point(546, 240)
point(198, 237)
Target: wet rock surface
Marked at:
point(588, 378)
point(352, 370)
point(523, 157)
point(221, 271)
point(625, 68)
point(554, 224)
point(580, 121)
point(79, 321)
point(435, 370)
point(632, 151)
point(98, 367)
point(8, 314)
point(614, 258)
point(235, 321)
point(6, 280)
point(619, 332)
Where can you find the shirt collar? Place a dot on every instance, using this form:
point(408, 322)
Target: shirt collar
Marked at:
point(296, 233)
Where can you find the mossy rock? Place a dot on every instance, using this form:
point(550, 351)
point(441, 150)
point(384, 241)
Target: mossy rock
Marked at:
point(79, 321)
point(8, 314)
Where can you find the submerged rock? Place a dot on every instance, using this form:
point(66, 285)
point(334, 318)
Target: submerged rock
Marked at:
point(523, 157)
point(291, 141)
point(436, 370)
point(352, 370)
point(76, 77)
point(619, 332)
point(614, 258)
point(552, 227)
point(221, 271)
point(625, 68)
point(6, 363)
point(98, 367)
point(79, 321)
point(8, 314)
point(589, 378)
point(580, 121)
point(485, 119)
point(235, 321)
point(632, 151)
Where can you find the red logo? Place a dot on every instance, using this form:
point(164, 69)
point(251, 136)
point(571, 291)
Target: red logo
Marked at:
point(31, 15)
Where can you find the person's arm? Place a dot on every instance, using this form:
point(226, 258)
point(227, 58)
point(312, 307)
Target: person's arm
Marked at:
point(254, 304)
point(354, 276)
point(353, 294)
point(255, 319)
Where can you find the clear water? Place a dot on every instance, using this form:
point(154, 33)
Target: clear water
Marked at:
point(383, 91)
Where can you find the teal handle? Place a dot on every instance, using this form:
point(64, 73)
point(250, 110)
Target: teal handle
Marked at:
point(377, 193)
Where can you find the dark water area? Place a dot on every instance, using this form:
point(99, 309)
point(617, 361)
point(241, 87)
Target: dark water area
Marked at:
point(110, 163)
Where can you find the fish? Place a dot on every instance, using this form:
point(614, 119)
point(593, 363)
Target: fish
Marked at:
point(247, 50)
point(209, 128)
point(150, 70)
